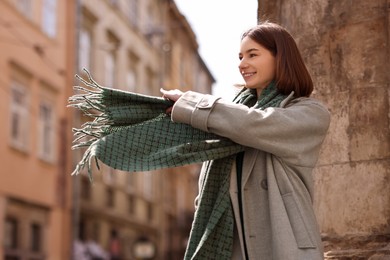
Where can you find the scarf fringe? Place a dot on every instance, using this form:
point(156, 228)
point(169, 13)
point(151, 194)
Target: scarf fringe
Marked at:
point(86, 160)
point(91, 103)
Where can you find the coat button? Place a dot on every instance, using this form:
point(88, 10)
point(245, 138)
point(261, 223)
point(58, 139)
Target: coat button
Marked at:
point(204, 103)
point(264, 184)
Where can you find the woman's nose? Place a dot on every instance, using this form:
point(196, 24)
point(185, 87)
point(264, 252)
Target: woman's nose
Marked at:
point(242, 64)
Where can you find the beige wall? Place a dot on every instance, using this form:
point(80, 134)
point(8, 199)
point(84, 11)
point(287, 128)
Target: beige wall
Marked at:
point(346, 47)
point(32, 188)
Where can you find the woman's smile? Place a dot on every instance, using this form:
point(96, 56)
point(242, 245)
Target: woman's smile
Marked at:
point(247, 75)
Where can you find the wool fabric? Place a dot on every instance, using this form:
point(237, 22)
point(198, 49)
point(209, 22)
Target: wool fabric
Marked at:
point(131, 132)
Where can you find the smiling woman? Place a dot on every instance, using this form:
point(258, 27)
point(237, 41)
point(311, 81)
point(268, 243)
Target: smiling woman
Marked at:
point(263, 208)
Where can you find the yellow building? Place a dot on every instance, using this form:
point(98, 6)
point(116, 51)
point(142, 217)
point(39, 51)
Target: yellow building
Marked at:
point(138, 46)
point(34, 158)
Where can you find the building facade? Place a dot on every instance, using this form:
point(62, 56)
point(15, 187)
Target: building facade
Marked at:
point(132, 45)
point(346, 47)
point(34, 152)
point(137, 46)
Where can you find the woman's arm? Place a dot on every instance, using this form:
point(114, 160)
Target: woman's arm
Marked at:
point(289, 132)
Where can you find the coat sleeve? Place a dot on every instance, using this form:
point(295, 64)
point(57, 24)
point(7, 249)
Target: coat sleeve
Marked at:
point(293, 132)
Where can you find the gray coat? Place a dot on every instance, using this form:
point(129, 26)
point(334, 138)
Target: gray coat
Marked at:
point(277, 184)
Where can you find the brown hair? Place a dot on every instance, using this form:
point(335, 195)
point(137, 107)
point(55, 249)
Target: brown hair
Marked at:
point(291, 72)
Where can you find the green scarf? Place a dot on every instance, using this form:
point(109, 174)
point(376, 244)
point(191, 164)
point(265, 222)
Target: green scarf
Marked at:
point(131, 132)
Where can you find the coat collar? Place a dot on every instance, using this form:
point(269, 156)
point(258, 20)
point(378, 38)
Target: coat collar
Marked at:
point(287, 99)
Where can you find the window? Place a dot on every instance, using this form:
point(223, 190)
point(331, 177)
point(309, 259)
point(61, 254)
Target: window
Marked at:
point(150, 80)
point(110, 176)
point(11, 243)
point(85, 188)
point(131, 80)
point(131, 203)
point(95, 233)
point(86, 40)
point(49, 18)
point(148, 185)
point(151, 26)
point(25, 7)
point(85, 49)
point(19, 116)
point(150, 211)
point(114, 3)
point(110, 69)
point(7, 257)
point(132, 12)
point(132, 65)
point(167, 48)
point(46, 132)
point(110, 60)
point(24, 236)
point(131, 180)
point(11, 233)
point(110, 198)
point(36, 237)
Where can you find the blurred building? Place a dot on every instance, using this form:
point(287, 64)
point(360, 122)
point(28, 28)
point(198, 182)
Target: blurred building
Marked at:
point(138, 46)
point(131, 45)
point(346, 47)
point(34, 152)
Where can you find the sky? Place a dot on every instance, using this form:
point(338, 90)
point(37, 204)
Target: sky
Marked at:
point(218, 26)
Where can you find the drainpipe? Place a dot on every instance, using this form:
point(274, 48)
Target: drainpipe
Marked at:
point(76, 155)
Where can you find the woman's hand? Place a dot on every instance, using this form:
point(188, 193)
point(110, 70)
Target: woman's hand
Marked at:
point(173, 95)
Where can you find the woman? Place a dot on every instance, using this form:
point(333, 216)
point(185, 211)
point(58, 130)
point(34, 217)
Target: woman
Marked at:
point(282, 129)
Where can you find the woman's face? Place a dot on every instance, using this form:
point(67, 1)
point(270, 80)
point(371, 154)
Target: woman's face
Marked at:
point(257, 64)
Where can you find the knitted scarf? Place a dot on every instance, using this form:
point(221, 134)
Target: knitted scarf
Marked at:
point(131, 132)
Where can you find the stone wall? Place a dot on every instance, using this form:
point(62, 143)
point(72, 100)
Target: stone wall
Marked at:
point(345, 44)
